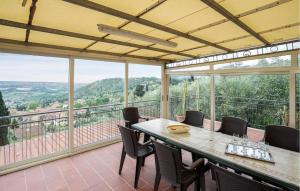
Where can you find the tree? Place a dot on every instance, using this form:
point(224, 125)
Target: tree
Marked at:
point(33, 105)
point(3, 122)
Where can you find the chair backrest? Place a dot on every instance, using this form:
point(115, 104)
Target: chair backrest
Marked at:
point(230, 181)
point(169, 161)
point(283, 137)
point(194, 118)
point(233, 125)
point(130, 141)
point(131, 114)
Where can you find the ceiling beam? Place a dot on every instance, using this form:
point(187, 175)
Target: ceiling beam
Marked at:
point(153, 6)
point(83, 36)
point(79, 50)
point(214, 5)
point(132, 18)
point(30, 19)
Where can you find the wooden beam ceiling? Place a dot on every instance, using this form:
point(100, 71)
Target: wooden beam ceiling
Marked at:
point(83, 36)
point(214, 5)
point(132, 18)
point(32, 44)
point(30, 19)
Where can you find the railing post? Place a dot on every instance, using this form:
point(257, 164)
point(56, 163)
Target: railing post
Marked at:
point(126, 86)
point(292, 92)
point(71, 104)
point(164, 93)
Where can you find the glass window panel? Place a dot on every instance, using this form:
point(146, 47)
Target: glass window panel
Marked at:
point(144, 88)
point(189, 93)
point(280, 61)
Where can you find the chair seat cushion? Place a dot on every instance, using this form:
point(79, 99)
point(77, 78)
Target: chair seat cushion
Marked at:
point(144, 150)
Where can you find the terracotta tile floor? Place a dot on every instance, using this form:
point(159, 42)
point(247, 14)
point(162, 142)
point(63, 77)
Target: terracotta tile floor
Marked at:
point(93, 170)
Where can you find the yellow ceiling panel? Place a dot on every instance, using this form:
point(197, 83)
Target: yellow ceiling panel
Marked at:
point(204, 51)
point(13, 10)
point(174, 57)
point(182, 44)
point(138, 28)
point(126, 39)
point(65, 16)
point(244, 43)
point(220, 32)
point(59, 40)
point(101, 46)
point(173, 10)
point(282, 15)
point(283, 35)
point(12, 33)
point(237, 6)
point(197, 20)
point(148, 53)
point(132, 7)
point(120, 49)
point(160, 34)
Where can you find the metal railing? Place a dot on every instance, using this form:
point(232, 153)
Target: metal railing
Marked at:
point(36, 135)
point(258, 112)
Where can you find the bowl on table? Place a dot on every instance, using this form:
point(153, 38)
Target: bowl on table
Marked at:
point(178, 129)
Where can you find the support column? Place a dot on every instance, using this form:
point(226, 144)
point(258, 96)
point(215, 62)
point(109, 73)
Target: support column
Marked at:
point(126, 86)
point(71, 104)
point(292, 92)
point(164, 92)
point(212, 102)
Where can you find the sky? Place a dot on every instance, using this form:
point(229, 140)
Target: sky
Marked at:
point(16, 67)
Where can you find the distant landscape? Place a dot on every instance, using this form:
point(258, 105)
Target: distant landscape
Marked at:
point(20, 97)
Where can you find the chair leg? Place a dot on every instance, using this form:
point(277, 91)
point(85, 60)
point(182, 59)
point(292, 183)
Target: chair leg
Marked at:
point(157, 181)
point(183, 187)
point(123, 155)
point(202, 182)
point(146, 138)
point(137, 171)
point(197, 185)
point(143, 161)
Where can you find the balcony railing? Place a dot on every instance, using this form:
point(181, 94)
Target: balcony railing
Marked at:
point(258, 112)
point(39, 135)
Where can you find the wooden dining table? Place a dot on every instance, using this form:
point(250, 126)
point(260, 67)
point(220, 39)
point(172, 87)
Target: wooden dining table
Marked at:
point(285, 172)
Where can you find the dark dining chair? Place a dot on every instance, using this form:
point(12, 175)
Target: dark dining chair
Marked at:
point(233, 125)
point(169, 165)
point(194, 118)
point(134, 149)
point(230, 181)
point(283, 137)
point(131, 116)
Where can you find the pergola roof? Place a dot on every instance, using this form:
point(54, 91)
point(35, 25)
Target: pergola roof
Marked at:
point(199, 27)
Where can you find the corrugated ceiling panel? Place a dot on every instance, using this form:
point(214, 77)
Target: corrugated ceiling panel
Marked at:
point(12, 33)
point(13, 10)
point(237, 6)
point(65, 16)
point(182, 44)
point(283, 35)
point(132, 7)
point(221, 32)
point(101, 46)
point(148, 53)
point(197, 20)
point(282, 15)
point(174, 57)
point(120, 49)
point(173, 10)
point(125, 39)
point(59, 40)
point(242, 43)
point(204, 51)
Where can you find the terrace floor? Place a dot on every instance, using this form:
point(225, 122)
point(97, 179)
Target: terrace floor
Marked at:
point(93, 170)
